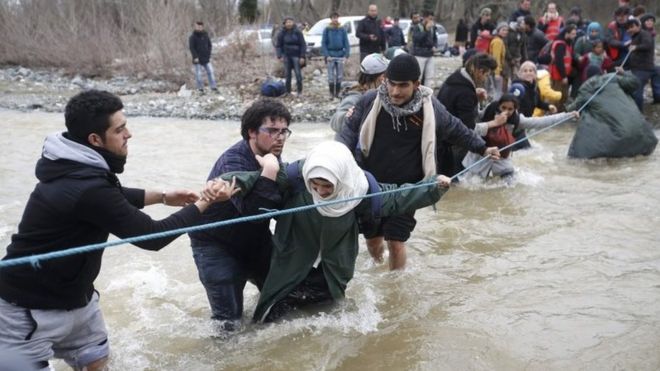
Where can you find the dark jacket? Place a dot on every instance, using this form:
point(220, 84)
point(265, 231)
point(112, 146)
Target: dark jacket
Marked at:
point(291, 43)
point(462, 31)
point(395, 36)
point(200, 46)
point(516, 46)
point(423, 41)
point(526, 104)
point(448, 129)
point(643, 57)
point(536, 40)
point(370, 26)
point(519, 13)
point(334, 42)
point(458, 95)
point(247, 242)
point(76, 204)
point(531, 99)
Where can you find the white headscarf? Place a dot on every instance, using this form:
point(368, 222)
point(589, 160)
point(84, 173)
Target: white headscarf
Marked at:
point(333, 162)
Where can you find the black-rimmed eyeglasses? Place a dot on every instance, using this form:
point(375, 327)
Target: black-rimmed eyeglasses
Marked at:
point(275, 132)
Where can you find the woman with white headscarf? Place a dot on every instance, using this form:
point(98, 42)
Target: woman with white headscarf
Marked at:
point(314, 251)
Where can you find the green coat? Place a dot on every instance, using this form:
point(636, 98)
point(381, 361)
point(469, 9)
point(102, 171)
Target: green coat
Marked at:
point(300, 236)
point(611, 125)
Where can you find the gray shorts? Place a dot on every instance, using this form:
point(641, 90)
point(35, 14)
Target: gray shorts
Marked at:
point(77, 336)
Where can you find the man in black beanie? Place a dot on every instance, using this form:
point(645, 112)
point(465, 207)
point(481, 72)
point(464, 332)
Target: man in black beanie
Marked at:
point(52, 310)
point(394, 131)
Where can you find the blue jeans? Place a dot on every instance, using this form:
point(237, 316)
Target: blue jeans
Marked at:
point(292, 63)
point(644, 76)
point(209, 75)
point(224, 278)
point(335, 70)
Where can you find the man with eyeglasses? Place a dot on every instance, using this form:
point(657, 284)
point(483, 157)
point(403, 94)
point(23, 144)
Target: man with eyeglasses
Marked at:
point(394, 132)
point(228, 257)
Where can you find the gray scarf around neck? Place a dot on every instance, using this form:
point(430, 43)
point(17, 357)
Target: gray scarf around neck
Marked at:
point(398, 112)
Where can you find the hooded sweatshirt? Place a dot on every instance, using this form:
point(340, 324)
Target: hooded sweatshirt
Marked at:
point(77, 202)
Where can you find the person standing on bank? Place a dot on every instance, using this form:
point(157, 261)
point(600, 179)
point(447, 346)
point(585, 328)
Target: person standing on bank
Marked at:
point(200, 48)
point(371, 35)
point(394, 35)
point(52, 310)
point(226, 258)
point(394, 132)
point(291, 49)
point(424, 40)
point(335, 49)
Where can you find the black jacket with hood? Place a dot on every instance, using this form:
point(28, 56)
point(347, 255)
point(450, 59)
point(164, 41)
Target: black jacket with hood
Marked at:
point(78, 201)
point(458, 95)
point(200, 46)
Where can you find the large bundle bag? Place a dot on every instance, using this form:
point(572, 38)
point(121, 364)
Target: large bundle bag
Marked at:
point(273, 88)
point(611, 125)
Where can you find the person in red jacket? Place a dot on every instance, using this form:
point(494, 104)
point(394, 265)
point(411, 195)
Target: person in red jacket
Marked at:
point(561, 68)
point(551, 23)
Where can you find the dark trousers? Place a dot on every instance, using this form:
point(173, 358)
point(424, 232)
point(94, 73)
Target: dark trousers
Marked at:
point(644, 77)
point(224, 278)
point(313, 290)
point(293, 63)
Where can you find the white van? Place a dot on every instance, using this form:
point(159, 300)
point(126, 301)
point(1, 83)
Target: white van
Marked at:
point(314, 35)
point(350, 23)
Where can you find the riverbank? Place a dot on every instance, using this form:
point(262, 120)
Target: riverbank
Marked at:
point(48, 90)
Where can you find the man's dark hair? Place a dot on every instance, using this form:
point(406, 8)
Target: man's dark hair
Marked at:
point(622, 10)
point(89, 112)
point(200, 23)
point(260, 110)
point(334, 14)
point(638, 11)
point(633, 21)
point(427, 13)
point(530, 21)
point(413, 13)
point(480, 61)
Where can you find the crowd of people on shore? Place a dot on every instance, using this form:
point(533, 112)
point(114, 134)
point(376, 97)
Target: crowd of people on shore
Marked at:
point(392, 133)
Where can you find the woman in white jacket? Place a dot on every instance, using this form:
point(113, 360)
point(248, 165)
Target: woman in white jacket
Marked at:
point(505, 113)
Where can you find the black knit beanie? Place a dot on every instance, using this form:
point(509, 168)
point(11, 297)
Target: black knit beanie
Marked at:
point(403, 67)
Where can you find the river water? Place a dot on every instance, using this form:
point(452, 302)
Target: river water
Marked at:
point(560, 270)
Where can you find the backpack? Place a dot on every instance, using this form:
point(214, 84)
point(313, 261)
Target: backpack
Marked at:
point(273, 88)
point(482, 44)
point(297, 183)
point(544, 56)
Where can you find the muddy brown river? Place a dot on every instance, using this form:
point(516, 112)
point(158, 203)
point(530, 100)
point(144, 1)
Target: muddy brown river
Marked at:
point(558, 271)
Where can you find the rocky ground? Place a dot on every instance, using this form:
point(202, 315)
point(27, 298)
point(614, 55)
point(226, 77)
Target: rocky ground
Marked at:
point(48, 90)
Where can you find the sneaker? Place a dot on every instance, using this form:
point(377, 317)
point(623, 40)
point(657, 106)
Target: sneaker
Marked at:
point(200, 91)
point(215, 90)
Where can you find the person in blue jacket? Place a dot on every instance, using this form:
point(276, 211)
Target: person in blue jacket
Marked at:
point(335, 50)
point(291, 49)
